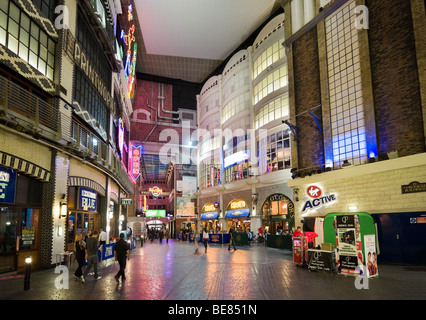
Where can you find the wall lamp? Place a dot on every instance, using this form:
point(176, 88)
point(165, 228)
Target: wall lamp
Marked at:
point(63, 207)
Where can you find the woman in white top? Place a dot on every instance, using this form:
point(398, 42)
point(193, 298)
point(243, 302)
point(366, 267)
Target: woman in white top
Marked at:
point(205, 238)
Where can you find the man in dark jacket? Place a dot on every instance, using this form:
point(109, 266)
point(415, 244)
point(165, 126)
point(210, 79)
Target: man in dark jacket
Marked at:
point(92, 256)
point(121, 250)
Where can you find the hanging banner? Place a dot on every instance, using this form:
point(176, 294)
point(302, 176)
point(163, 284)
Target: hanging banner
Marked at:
point(348, 240)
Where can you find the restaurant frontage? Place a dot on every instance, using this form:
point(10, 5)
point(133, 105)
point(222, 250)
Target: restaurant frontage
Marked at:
point(278, 221)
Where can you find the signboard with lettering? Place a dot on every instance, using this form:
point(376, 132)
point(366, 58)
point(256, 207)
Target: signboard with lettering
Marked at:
point(348, 241)
point(87, 199)
point(317, 198)
point(126, 201)
point(7, 185)
point(156, 191)
point(413, 187)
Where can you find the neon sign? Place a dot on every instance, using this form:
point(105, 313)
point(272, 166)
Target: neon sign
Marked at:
point(156, 191)
point(135, 154)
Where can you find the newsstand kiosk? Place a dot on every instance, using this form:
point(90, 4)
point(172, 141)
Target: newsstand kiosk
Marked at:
point(354, 237)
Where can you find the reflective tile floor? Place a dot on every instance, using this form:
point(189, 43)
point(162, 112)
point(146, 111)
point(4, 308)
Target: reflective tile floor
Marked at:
point(174, 271)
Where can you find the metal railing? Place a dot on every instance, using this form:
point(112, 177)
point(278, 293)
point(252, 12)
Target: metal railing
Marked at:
point(34, 110)
point(40, 117)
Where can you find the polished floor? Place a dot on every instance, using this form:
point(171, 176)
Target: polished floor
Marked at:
point(174, 271)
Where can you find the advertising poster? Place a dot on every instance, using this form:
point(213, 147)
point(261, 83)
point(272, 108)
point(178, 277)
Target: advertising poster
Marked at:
point(370, 252)
point(189, 186)
point(185, 207)
point(349, 245)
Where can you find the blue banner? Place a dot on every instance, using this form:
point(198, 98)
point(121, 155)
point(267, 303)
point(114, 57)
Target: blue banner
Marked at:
point(209, 215)
point(240, 213)
point(107, 251)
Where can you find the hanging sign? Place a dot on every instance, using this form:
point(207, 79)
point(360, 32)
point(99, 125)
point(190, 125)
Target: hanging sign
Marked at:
point(135, 155)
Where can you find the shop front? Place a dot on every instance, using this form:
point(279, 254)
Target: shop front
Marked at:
point(278, 221)
point(210, 217)
point(20, 216)
point(332, 239)
point(83, 213)
point(237, 216)
point(278, 214)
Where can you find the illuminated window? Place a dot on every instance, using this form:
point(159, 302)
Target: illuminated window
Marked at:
point(346, 103)
point(274, 152)
point(274, 81)
point(276, 109)
point(235, 106)
point(271, 55)
point(24, 37)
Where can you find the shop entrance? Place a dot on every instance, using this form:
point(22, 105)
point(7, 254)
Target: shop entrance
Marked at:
point(80, 223)
point(278, 214)
point(18, 233)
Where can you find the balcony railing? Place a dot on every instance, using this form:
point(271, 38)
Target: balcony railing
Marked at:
point(30, 111)
point(40, 117)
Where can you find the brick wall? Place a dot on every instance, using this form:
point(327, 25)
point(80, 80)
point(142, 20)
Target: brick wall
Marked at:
point(307, 96)
point(395, 77)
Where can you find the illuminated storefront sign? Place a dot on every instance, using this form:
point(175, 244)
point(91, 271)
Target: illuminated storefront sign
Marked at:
point(209, 211)
point(155, 213)
point(135, 155)
point(237, 209)
point(7, 185)
point(129, 39)
point(156, 191)
point(87, 199)
point(317, 199)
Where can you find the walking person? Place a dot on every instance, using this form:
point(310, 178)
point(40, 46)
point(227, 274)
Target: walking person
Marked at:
point(91, 256)
point(102, 241)
point(231, 239)
point(160, 235)
point(205, 238)
point(167, 235)
point(80, 254)
point(121, 251)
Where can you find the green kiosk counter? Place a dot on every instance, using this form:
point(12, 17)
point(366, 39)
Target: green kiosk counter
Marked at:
point(354, 237)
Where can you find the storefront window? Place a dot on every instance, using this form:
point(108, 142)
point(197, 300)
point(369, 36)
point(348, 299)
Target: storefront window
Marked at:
point(29, 226)
point(18, 221)
point(71, 227)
